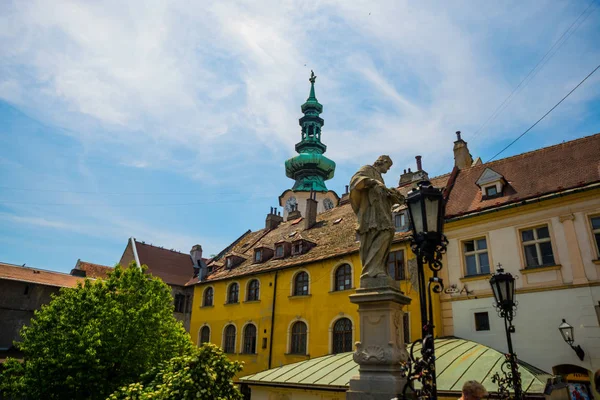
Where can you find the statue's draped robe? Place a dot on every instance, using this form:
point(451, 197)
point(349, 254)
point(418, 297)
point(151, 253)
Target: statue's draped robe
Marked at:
point(373, 208)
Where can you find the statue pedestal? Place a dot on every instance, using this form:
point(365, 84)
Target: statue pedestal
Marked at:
point(381, 347)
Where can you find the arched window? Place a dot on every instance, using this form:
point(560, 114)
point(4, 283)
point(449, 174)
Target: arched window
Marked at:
point(229, 339)
point(342, 336)
point(298, 339)
point(249, 339)
point(253, 290)
point(343, 277)
point(233, 293)
point(301, 284)
point(208, 297)
point(204, 334)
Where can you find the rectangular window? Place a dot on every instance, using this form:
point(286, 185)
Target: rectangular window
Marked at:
point(537, 247)
point(279, 251)
point(257, 255)
point(298, 248)
point(491, 191)
point(596, 233)
point(482, 321)
point(400, 222)
point(396, 265)
point(477, 261)
point(179, 303)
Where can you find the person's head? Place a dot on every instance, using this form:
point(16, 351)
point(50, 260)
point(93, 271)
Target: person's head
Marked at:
point(383, 163)
point(473, 390)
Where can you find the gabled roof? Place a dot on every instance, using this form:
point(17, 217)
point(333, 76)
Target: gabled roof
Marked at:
point(38, 276)
point(457, 361)
point(549, 170)
point(488, 176)
point(173, 267)
point(93, 270)
point(331, 240)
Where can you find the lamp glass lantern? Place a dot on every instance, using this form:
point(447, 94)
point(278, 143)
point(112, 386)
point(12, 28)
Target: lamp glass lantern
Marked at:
point(503, 286)
point(566, 330)
point(426, 209)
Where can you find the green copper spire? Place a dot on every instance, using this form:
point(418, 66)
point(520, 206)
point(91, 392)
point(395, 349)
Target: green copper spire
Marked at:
point(310, 168)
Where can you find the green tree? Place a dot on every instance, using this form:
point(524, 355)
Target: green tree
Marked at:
point(205, 374)
point(92, 339)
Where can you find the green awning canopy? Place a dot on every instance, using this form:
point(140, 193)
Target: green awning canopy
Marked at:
point(458, 361)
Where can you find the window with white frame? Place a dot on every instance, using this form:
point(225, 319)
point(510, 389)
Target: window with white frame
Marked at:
point(477, 261)
point(229, 339)
point(204, 334)
point(537, 247)
point(298, 338)
point(595, 222)
point(249, 345)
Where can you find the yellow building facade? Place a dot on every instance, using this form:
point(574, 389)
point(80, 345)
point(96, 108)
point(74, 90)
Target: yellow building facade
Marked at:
point(323, 306)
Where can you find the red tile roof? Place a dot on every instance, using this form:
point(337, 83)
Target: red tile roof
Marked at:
point(173, 267)
point(331, 240)
point(36, 275)
point(94, 270)
point(529, 175)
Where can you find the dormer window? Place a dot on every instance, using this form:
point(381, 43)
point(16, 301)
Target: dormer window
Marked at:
point(262, 254)
point(301, 246)
point(491, 184)
point(282, 249)
point(297, 249)
point(233, 261)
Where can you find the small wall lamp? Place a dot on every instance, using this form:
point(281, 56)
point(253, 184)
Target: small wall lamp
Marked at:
point(566, 331)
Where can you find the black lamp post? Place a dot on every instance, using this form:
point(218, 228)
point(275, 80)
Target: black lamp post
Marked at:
point(568, 335)
point(426, 212)
point(503, 286)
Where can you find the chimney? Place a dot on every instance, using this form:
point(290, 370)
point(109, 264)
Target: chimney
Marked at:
point(273, 219)
point(311, 210)
point(462, 157)
point(294, 214)
point(416, 176)
point(199, 265)
point(419, 166)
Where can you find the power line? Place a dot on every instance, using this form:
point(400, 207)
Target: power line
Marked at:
point(544, 116)
point(118, 193)
point(532, 73)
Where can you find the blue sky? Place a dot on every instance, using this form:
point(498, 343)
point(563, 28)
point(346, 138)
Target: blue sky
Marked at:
point(171, 121)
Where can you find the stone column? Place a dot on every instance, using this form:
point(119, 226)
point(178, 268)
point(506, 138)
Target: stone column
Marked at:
point(381, 347)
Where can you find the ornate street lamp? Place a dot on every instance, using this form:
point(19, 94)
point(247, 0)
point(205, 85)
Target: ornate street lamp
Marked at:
point(503, 286)
point(568, 335)
point(426, 212)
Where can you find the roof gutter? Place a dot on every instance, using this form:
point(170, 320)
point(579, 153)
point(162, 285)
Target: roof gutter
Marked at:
point(135, 254)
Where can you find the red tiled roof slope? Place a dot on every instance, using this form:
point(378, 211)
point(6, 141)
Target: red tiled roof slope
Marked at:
point(331, 240)
point(529, 175)
point(39, 276)
point(173, 267)
point(94, 270)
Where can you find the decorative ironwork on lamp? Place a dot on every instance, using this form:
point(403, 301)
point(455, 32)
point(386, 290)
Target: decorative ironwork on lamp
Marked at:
point(503, 287)
point(568, 335)
point(426, 212)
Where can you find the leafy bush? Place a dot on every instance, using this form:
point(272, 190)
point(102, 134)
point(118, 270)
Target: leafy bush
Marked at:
point(204, 374)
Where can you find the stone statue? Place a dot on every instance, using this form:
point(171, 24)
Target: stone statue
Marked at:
point(372, 202)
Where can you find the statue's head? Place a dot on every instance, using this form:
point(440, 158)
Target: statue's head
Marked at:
point(383, 163)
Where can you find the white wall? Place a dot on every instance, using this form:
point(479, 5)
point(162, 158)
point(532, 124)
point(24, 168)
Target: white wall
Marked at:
point(537, 339)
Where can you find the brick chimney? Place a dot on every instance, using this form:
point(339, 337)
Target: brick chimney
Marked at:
point(416, 176)
point(311, 210)
point(273, 219)
point(294, 214)
point(462, 157)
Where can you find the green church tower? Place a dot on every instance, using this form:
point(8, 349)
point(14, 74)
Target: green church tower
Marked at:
point(310, 168)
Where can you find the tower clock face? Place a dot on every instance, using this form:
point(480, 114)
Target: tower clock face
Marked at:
point(328, 204)
point(290, 204)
